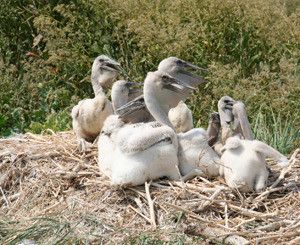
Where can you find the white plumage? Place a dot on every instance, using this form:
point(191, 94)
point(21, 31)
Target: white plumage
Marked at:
point(243, 163)
point(143, 151)
point(89, 114)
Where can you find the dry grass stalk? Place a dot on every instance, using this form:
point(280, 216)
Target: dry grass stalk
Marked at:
point(151, 206)
point(43, 177)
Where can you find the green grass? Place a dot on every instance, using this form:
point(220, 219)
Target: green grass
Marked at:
point(282, 135)
point(57, 229)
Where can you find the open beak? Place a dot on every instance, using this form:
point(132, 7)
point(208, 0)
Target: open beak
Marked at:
point(111, 65)
point(177, 86)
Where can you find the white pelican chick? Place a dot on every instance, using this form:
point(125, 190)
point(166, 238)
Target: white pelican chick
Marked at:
point(89, 114)
point(243, 163)
point(143, 151)
point(194, 154)
point(181, 116)
point(243, 160)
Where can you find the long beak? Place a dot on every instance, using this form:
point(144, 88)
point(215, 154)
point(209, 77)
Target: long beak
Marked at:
point(111, 65)
point(190, 78)
point(173, 81)
point(132, 84)
point(189, 65)
point(178, 86)
point(130, 111)
point(137, 101)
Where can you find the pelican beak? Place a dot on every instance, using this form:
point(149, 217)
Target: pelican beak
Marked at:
point(228, 115)
point(128, 112)
point(197, 79)
point(177, 86)
point(111, 65)
point(241, 123)
point(189, 65)
point(137, 101)
point(193, 78)
point(132, 84)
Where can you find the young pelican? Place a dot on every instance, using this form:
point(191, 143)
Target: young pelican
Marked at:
point(89, 114)
point(243, 160)
point(144, 151)
point(181, 116)
point(243, 163)
point(194, 155)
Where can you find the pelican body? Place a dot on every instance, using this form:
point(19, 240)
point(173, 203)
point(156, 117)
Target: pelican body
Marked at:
point(242, 158)
point(243, 164)
point(139, 152)
point(181, 116)
point(89, 114)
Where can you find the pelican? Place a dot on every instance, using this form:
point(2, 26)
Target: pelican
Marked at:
point(181, 116)
point(177, 68)
point(143, 151)
point(243, 160)
point(194, 154)
point(243, 163)
point(89, 114)
point(229, 111)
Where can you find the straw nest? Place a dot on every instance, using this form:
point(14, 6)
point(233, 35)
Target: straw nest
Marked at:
point(44, 178)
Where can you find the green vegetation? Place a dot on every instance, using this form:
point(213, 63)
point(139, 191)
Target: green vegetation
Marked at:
point(55, 229)
point(47, 48)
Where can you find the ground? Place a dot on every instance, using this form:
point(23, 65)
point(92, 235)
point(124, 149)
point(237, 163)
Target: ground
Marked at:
point(52, 194)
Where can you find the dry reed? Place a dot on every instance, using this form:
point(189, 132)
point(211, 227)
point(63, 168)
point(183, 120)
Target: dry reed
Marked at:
point(42, 175)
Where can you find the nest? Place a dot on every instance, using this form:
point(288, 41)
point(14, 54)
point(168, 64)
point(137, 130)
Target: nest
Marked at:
point(45, 182)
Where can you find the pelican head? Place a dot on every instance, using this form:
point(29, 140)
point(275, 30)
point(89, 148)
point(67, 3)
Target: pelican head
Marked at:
point(225, 105)
point(105, 70)
point(161, 80)
point(122, 92)
point(177, 68)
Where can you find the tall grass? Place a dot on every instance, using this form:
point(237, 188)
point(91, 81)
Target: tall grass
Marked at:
point(58, 229)
point(282, 135)
point(49, 230)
